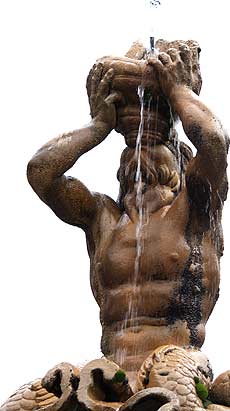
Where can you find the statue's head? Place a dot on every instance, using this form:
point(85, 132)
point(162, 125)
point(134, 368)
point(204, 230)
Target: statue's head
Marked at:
point(162, 164)
point(133, 71)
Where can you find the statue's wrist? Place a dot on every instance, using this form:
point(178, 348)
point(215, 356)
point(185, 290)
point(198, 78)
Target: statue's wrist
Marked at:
point(177, 92)
point(101, 129)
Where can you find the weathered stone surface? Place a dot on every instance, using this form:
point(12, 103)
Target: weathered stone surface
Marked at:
point(180, 378)
point(181, 208)
point(152, 399)
point(62, 379)
point(98, 388)
point(220, 391)
point(155, 252)
point(137, 51)
point(28, 394)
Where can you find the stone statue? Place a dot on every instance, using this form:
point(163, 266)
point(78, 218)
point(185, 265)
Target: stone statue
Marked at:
point(154, 254)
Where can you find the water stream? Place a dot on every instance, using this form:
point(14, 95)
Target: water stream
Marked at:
point(142, 213)
point(138, 181)
point(132, 311)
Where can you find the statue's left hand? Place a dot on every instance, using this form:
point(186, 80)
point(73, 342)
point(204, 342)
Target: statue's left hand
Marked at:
point(177, 67)
point(102, 100)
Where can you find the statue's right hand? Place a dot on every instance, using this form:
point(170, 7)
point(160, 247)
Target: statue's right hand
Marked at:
point(102, 100)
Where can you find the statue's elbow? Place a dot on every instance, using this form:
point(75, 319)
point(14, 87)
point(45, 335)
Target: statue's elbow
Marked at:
point(226, 139)
point(31, 172)
point(223, 148)
point(36, 177)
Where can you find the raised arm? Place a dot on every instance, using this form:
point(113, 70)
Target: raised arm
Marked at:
point(68, 197)
point(178, 73)
point(206, 133)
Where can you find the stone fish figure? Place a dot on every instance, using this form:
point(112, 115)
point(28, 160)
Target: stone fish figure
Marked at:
point(166, 381)
point(170, 298)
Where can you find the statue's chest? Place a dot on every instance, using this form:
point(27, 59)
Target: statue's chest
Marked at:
point(148, 252)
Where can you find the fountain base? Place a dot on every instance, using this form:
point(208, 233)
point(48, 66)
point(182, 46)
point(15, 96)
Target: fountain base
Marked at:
point(172, 378)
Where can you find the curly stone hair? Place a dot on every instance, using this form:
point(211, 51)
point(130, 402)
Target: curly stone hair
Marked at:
point(182, 152)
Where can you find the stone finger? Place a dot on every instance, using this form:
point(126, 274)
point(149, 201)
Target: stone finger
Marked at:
point(173, 53)
point(153, 60)
point(195, 51)
point(104, 86)
point(96, 77)
point(185, 54)
point(164, 58)
point(114, 97)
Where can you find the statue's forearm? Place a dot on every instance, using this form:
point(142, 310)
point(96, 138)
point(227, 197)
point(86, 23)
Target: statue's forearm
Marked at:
point(60, 153)
point(201, 127)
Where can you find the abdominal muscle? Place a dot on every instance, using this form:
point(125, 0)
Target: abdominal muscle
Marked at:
point(132, 330)
point(131, 345)
point(140, 313)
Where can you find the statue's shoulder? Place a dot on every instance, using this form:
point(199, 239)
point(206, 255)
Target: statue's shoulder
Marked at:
point(105, 204)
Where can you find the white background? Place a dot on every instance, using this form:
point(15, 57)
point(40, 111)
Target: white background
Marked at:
point(47, 311)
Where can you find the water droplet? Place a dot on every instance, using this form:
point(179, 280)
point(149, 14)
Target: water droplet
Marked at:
point(155, 3)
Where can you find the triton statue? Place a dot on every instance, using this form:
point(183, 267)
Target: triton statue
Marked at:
point(169, 297)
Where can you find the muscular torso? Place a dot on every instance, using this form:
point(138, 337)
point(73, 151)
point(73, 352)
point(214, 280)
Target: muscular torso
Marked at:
point(164, 296)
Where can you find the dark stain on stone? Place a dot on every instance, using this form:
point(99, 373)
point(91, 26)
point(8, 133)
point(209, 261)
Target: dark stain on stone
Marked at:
point(187, 300)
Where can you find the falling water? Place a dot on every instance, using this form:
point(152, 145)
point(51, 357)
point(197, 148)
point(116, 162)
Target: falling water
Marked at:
point(143, 217)
point(138, 177)
point(153, 23)
point(138, 181)
point(142, 220)
point(176, 142)
point(132, 308)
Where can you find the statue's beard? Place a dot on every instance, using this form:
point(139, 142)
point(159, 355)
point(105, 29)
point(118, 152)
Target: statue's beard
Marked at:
point(150, 176)
point(153, 191)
